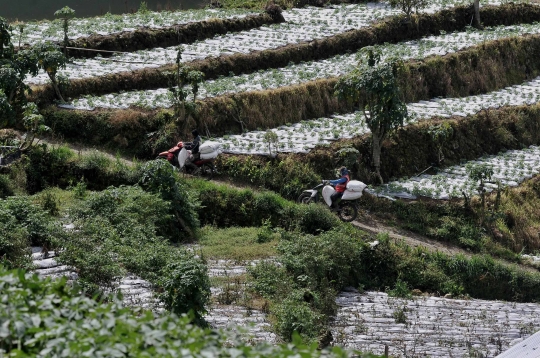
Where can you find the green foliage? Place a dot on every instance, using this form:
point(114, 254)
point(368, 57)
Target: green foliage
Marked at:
point(293, 315)
point(48, 318)
point(13, 241)
point(269, 280)
point(6, 186)
point(374, 86)
point(186, 287)
point(399, 314)
point(42, 230)
point(143, 8)
point(479, 172)
point(15, 66)
point(34, 124)
point(159, 177)
point(65, 13)
point(117, 230)
point(348, 156)
point(184, 76)
point(50, 203)
point(287, 177)
point(440, 135)
point(333, 256)
point(401, 289)
point(265, 233)
point(271, 139)
point(224, 206)
point(314, 218)
point(408, 6)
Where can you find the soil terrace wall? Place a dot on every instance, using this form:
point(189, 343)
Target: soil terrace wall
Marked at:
point(147, 38)
point(391, 30)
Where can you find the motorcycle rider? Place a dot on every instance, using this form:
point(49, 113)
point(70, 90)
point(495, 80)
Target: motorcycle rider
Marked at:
point(340, 185)
point(194, 147)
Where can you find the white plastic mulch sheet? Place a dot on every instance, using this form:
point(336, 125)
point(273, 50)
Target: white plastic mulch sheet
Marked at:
point(304, 136)
point(509, 168)
point(435, 326)
point(37, 31)
point(304, 72)
point(302, 25)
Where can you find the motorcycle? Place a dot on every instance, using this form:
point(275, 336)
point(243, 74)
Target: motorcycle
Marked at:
point(348, 210)
point(203, 167)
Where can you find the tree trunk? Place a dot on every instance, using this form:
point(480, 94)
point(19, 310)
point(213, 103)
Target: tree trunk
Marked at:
point(477, 22)
point(376, 152)
point(56, 89)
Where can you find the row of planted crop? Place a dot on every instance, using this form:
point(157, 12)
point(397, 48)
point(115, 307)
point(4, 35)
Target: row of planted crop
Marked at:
point(309, 71)
point(508, 169)
point(36, 31)
point(302, 25)
point(304, 136)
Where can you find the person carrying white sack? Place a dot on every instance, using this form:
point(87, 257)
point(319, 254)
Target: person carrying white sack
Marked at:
point(194, 147)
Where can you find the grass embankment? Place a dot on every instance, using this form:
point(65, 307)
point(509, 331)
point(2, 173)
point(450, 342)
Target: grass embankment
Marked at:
point(479, 69)
point(148, 38)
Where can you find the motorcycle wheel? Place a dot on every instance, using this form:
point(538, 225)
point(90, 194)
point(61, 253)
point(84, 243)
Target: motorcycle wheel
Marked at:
point(205, 171)
point(348, 212)
point(304, 198)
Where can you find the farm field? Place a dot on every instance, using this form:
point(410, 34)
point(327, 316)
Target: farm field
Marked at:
point(510, 168)
point(428, 267)
point(35, 32)
point(302, 137)
point(301, 25)
point(304, 72)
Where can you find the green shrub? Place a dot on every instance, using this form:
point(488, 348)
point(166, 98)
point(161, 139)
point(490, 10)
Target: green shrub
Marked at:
point(401, 289)
point(265, 233)
point(270, 280)
point(314, 218)
point(224, 206)
point(288, 176)
point(118, 230)
point(159, 177)
point(6, 186)
point(14, 241)
point(333, 256)
point(294, 315)
point(186, 287)
point(41, 228)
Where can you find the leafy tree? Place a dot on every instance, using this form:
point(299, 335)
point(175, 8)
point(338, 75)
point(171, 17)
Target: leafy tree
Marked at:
point(65, 13)
point(408, 6)
point(50, 59)
point(186, 287)
point(440, 134)
point(183, 108)
point(374, 87)
point(34, 123)
point(15, 66)
point(271, 138)
point(481, 174)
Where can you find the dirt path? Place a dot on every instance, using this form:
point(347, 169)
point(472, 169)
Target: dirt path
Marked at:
point(374, 226)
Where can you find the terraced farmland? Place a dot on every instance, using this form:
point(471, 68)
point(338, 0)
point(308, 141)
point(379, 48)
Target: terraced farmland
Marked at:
point(301, 25)
point(269, 100)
